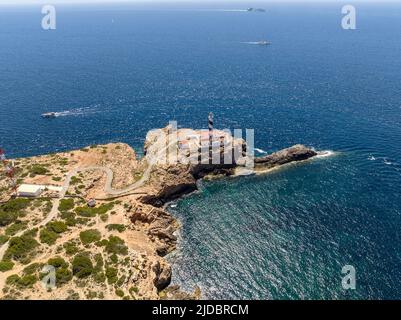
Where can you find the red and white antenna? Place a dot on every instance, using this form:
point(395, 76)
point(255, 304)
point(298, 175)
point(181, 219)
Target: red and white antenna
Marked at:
point(9, 169)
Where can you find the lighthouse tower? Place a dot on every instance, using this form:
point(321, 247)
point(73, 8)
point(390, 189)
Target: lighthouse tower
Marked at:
point(210, 123)
point(210, 127)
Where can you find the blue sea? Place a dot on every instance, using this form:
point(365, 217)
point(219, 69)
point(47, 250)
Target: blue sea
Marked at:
point(113, 72)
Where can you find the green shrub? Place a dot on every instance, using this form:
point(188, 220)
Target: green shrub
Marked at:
point(89, 236)
point(15, 227)
point(7, 217)
point(70, 248)
point(15, 205)
point(28, 280)
point(114, 258)
point(12, 280)
point(38, 169)
point(57, 262)
point(104, 217)
point(66, 205)
point(120, 293)
point(47, 236)
point(116, 245)
point(57, 226)
point(21, 248)
point(64, 161)
point(3, 239)
point(102, 243)
point(82, 266)
point(75, 180)
point(111, 275)
point(32, 268)
point(31, 233)
point(120, 281)
point(73, 295)
point(91, 295)
point(85, 211)
point(118, 227)
point(88, 212)
point(6, 265)
point(133, 291)
point(69, 218)
point(99, 262)
point(12, 209)
point(63, 275)
point(100, 277)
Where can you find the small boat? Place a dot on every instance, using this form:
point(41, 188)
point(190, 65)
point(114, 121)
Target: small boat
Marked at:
point(49, 115)
point(263, 43)
point(256, 10)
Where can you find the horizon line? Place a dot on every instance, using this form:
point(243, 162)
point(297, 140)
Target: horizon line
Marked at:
point(248, 3)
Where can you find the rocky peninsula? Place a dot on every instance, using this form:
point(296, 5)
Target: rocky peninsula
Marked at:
point(100, 219)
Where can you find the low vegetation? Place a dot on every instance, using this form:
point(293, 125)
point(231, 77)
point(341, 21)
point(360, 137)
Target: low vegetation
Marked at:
point(21, 249)
point(57, 226)
point(88, 212)
point(82, 266)
point(117, 227)
point(48, 236)
point(6, 265)
point(37, 169)
point(16, 227)
point(116, 245)
point(89, 236)
point(66, 205)
point(12, 210)
point(70, 248)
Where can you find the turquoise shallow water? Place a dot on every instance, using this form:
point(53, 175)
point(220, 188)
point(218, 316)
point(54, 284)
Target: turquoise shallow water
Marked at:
point(115, 72)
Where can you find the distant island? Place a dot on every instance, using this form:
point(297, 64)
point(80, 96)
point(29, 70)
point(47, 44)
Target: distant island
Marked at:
point(97, 214)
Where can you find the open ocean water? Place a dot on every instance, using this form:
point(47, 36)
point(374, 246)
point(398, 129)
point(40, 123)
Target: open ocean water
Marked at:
point(115, 72)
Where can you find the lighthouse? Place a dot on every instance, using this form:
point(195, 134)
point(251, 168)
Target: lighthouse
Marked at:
point(210, 127)
point(210, 123)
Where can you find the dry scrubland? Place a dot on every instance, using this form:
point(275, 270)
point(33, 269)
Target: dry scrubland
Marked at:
point(112, 251)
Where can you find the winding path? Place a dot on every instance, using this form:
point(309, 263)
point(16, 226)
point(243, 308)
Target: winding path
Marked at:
point(107, 188)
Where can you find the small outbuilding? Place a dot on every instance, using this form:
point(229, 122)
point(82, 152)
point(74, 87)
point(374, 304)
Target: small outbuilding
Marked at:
point(29, 190)
point(91, 203)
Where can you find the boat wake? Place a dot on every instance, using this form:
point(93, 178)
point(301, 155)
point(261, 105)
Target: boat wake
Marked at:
point(233, 10)
point(75, 112)
point(224, 10)
point(382, 159)
point(251, 42)
point(260, 151)
point(325, 153)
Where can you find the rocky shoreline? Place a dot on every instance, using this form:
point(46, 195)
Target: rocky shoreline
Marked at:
point(141, 189)
point(181, 179)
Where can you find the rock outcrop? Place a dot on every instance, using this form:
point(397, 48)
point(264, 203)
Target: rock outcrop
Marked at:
point(295, 153)
point(163, 273)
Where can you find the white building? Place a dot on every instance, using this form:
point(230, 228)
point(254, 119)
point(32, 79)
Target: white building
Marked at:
point(30, 190)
